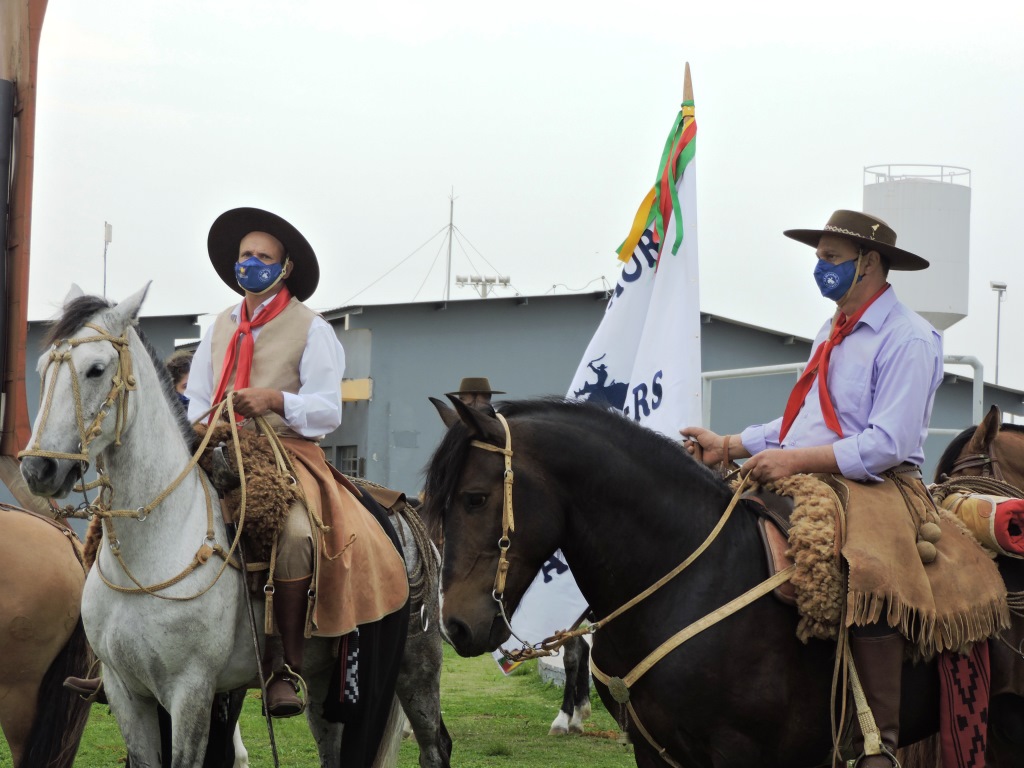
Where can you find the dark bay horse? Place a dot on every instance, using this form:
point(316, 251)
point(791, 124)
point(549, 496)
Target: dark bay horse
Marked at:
point(41, 640)
point(626, 506)
point(991, 455)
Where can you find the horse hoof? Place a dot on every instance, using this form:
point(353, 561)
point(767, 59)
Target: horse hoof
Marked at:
point(560, 724)
point(576, 727)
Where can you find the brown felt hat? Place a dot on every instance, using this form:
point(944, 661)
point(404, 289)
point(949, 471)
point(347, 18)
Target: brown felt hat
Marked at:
point(231, 226)
point(863, 229)
point(473, 386)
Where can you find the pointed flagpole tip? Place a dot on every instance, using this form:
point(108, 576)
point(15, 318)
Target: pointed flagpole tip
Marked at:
point(687, 85)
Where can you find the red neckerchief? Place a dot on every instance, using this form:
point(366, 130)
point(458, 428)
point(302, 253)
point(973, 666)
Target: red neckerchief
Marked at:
point(817, 368)
point(248, 345)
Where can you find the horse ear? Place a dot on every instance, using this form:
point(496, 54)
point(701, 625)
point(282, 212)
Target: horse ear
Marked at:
point(75, 292)
point(448, 415)
point(986, 432)
point(127, 312)
point(483, 424)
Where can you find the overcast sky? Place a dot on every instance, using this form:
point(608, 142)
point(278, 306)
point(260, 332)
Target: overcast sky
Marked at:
point(356, 121)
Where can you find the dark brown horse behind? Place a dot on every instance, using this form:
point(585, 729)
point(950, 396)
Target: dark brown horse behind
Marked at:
point(41, 640)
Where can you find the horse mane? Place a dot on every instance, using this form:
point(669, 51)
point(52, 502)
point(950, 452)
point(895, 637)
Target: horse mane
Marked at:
point(958, 443)
point(80, 311)
point(77, 313)
point(442, 473)
point(445, 465)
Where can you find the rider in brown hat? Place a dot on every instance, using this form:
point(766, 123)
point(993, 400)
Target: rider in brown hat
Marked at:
point(860, 411)
point(475, 391)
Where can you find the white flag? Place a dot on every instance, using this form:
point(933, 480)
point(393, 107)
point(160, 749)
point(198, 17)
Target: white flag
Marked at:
point(644, 358)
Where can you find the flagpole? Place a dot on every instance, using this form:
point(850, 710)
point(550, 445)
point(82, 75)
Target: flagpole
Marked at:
point(687, 84)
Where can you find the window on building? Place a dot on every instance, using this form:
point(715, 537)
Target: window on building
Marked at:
point(347, 459)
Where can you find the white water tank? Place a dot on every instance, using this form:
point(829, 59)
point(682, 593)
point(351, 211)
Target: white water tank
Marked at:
point(929, 207)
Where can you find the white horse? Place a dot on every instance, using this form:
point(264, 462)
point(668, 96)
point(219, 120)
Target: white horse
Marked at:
point(108, 403)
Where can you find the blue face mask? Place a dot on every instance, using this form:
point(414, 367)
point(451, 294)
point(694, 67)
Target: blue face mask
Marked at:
point(256, 277)
point(834, 280)
point(183, 400)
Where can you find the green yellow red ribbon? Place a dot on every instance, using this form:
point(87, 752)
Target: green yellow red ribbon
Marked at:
point(662, 201)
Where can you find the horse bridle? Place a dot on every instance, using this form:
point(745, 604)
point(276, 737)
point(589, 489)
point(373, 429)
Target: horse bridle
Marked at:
point(989, 465)
point(508, 523)
point(121, 384)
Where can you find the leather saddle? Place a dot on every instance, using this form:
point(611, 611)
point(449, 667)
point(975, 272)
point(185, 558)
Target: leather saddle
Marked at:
point(773, 523)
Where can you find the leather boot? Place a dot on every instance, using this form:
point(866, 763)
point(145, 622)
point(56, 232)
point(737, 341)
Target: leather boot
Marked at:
point(879, 662)
point(282, 657)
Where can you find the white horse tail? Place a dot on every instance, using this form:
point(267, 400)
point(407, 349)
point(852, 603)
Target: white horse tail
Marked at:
point(387, 752)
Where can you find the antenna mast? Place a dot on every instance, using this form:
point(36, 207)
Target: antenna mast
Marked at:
point(451, 227)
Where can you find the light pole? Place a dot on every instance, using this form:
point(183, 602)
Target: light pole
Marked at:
point(1000, 289)
point(108, 238)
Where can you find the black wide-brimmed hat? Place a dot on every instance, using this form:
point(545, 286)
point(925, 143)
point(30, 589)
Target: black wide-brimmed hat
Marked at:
point(476, 386)
point(231, 226)
point(863, 229)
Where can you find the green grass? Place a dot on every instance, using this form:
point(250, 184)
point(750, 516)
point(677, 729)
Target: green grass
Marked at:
point(493, 720)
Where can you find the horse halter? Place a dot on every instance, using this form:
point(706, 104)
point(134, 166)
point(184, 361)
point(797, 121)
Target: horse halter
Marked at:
point(121, 384)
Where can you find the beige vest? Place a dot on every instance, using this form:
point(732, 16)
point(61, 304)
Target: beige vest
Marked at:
point(276, 356)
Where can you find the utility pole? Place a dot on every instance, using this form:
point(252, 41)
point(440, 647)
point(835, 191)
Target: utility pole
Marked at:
point(108, 236)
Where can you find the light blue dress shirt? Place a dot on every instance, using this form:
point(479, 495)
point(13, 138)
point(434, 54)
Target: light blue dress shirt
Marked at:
point(882, 381)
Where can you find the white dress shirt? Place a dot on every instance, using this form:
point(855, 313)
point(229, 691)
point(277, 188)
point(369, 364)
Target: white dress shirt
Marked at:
point(316, 409)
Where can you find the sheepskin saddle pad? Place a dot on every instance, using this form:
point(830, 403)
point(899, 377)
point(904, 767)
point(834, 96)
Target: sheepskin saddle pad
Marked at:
point(907, 562)
point(268, 493)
